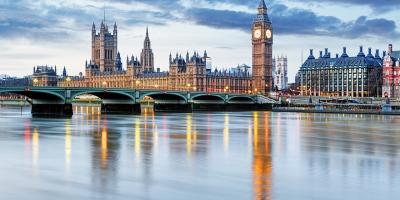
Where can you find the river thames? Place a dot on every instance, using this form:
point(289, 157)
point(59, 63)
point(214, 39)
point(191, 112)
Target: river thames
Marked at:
point(244, 155)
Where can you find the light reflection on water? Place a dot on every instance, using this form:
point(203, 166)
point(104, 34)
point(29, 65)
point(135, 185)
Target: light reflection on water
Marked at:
point(249, 155)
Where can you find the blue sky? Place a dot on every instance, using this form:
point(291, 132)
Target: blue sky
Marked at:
point(57, 32)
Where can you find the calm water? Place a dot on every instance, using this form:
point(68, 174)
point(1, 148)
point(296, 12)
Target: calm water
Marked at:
point(250, 155)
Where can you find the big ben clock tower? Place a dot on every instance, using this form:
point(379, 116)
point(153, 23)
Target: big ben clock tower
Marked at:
point(262, 51)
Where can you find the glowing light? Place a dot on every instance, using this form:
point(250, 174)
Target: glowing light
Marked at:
point(226, 133)
point(35, 147)
point(68, 143)
point(188, 134)
point(104, 146)
point(137, 138)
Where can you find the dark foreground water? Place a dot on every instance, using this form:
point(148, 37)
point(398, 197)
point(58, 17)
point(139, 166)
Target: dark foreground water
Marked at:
point(250, 155)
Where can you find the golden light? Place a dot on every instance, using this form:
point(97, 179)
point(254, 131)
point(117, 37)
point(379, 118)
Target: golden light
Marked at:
point(189, 85)
point(137, 82)
point(68, 79)
point(226, 88)
point(104, 84)
point(156, 86)
point(256, 89)
point(194, 88)
point(35, 80)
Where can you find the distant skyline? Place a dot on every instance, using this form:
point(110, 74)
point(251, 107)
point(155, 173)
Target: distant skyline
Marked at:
point(57, 32)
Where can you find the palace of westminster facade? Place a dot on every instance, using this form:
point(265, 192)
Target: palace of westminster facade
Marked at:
point(189, 72)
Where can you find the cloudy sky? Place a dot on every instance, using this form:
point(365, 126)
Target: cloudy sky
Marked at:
point(57, 32)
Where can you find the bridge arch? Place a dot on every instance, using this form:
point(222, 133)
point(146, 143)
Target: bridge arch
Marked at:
point(37, 94)
point(159, 96)
point(114, 95)
point(208, 97)
point(241, 99)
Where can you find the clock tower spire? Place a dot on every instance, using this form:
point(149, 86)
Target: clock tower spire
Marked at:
point(262, 41)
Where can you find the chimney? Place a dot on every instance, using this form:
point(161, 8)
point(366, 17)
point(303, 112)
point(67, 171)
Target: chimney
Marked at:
point(377, 54)
point(361, 53)
point(344, 50)
point(326, 51)
point(390, 50)
point(320, 54)
point(337, 55)
point(311, 56)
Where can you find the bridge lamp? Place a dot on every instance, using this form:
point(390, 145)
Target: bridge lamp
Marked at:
point(104, 84)
point(137, 82)
point(194, 88)
point(35, 81)
point(256, 90)
point(68, 79)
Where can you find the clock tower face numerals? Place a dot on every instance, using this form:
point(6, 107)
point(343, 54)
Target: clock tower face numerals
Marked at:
point(257, 33)
point(268, 34)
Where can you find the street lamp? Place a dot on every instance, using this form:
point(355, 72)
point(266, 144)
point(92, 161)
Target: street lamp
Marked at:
point(68, 79)
point(35, 82)
point(104, 84)
point(137, 84)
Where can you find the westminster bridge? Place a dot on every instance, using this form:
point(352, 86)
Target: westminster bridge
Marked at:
point(58, 101)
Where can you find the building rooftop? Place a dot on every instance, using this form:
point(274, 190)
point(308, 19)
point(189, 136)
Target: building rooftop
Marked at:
point(361, 60)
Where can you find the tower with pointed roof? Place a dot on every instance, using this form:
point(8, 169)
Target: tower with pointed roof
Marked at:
point(147, 56)
point(262, 40)
point(105, 48)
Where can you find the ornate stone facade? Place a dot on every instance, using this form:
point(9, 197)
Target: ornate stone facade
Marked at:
point(391, 74)
point(262, 51)
point(191, 72)
point(44, 76)
point(280, 73)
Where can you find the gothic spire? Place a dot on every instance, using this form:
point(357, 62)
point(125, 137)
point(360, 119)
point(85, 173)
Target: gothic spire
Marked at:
point(262, 4)
point(147, 39)
point(262, 12)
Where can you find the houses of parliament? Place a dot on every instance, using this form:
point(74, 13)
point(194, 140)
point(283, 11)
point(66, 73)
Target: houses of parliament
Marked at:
point(186, 72)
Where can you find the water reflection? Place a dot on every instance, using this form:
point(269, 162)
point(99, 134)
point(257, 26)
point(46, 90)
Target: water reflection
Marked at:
point(68, 144)
point(35, 148)
point(105, 158)
point(262, 163)
point(257, 155)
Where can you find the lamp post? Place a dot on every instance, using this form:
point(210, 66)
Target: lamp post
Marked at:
point(188, 86)
point(68, 79)
point(35, 82)
point(104, 84)
point(137, 84)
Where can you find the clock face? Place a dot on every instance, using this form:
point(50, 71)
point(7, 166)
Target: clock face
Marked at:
point(268, 34)
point(257, 34)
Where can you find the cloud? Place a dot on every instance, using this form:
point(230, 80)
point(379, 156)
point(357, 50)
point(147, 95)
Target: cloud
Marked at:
point(293, 21)
point(385, 5)
point(53, 20)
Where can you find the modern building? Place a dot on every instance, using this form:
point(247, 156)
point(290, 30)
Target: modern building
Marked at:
point(391, 74)
point(191, 72)
point(280, 65)
point(358, 76)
